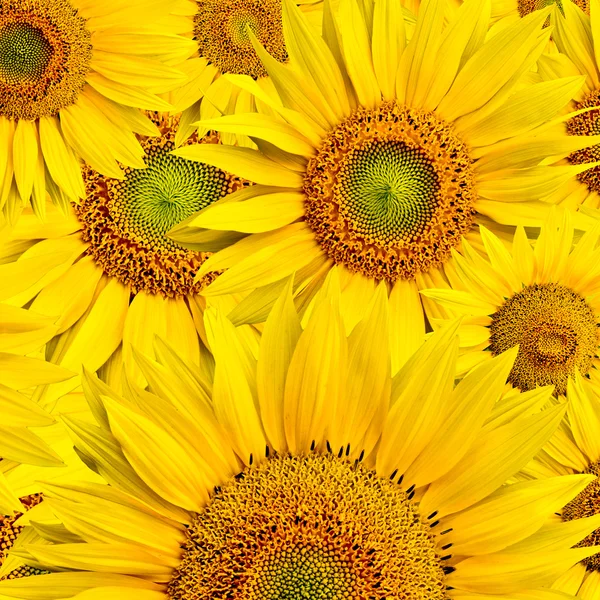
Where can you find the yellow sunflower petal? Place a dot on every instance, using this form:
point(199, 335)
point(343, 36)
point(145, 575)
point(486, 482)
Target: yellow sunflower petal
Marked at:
point(268, 264)
point(357, 53)
point(25, 153)
point(584, 417)
point(162, 461)
point(127, 559)
point(495, 456)
point(234, 387)
point(258, 214)
point(309, 54)
point(470, 404)
point(60, 160)
point(244, 162)
point(418, 62)
point(58, 586)
point(267, 128)
point(511, 514)
point(506, 573)
point(388, 41)
point(317, 373)
point(419, 408)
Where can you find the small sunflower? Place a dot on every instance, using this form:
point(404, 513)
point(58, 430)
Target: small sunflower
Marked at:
point(511, 8)
point(106, 276)
point(306, 473)
point(542, 298)
point(220, 33)
point(381, 156)
point(578, 43)
point(575, 449)
point(71, 72)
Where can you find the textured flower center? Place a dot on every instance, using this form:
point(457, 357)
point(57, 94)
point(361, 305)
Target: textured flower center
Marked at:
point(8, 535)
point(390, 192)
point(126, 221)
point(24, 52)
point(587, 124)
point(309, 528)
point(587, 504)
point(45, 53)
point(526, 7)
point(556, 331)
point(220, 28)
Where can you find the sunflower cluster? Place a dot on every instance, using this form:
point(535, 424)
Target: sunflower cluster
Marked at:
point(299, 300)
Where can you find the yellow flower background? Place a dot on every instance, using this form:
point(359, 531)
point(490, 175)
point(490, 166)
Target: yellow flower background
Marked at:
point(299, 300)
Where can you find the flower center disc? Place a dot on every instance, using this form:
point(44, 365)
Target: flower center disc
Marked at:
point(556, 331)
point(126, 222)
point(309, 528)
point(8, 535)
point(587, 504)
point(390, 192)
point(526, 7)
point(45, 53)
point(587, 124)
point(220, 30)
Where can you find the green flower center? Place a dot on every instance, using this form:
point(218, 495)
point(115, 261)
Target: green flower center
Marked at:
point(125, 222)
point(24, 52)
point(151, 201)
point(45, 54)
point(389, 190)
point(238, 24)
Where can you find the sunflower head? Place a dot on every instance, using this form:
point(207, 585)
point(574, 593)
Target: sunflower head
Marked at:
point(556, 330)
point(45, 52)
point(390, 192)
point(540, 299)
point(125, 221)
point(381, 151)
point(221, 31)
point(307, 473)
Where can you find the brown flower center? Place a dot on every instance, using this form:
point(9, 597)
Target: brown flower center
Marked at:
point(587, 124)
point(556, 331)
point(526, 7)
point(309, 528)
point(220, 28)
point(45, 53)
point(390, 192)
point(9, 533)
point(126, 221)
point(587, 504)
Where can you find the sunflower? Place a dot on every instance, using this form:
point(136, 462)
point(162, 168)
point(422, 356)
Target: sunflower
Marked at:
point(309, 473)
point(18, 443)
point(33, 445)
point(542, 297)
point(106, 275)
point(575, 449)
point(29, 457)
point(512, 8)
point(219, 32)
point(381, 156)
point(71, 72)
point(578, 43)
